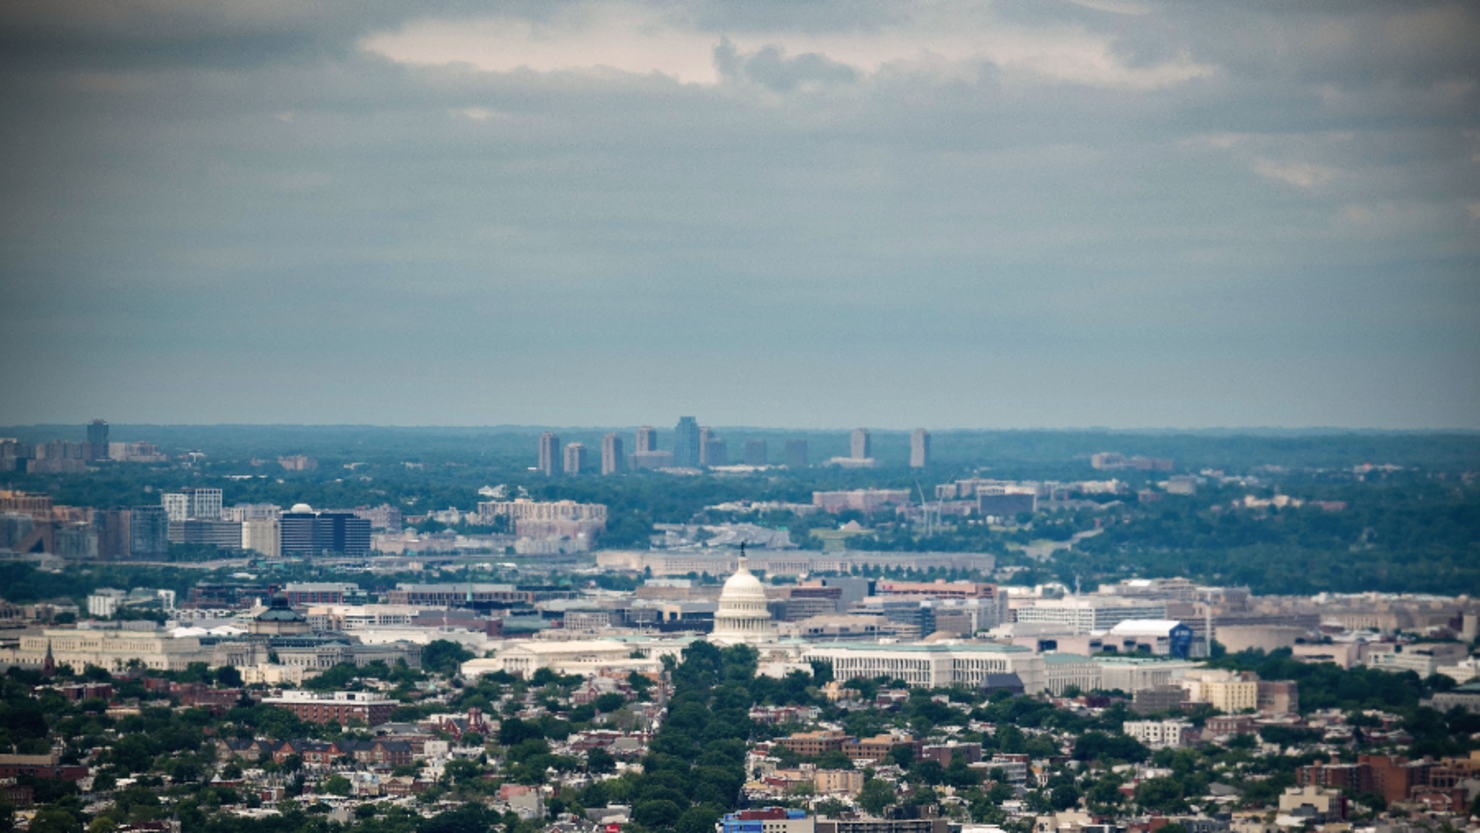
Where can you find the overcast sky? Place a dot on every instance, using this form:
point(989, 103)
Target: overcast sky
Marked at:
point(798, 214)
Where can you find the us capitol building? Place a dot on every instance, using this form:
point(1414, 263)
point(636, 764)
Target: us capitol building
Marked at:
point(742, 617)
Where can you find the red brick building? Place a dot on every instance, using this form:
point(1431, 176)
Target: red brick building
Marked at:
point(40, 766)
point(812, 744)
point(340, 706)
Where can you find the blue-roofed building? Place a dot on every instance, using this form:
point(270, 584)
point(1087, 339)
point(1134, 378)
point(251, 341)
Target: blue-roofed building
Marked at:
point(767, 820)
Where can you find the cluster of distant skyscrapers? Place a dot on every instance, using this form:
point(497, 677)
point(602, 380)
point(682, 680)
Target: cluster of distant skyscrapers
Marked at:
point(696, 446)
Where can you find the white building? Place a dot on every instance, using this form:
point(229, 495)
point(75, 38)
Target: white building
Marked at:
point(1423, 660)
point(575, 656)
point(1157, 734)
point(742, 614)
point(187, 504)
point(176, 506)
point(1160, 637)
point(104, 602)
point(276, 675)
point(1131, 674)
point(476, 641)
point(931, 665)
point(344, 617)
point(1087, 614)
point(262, 536)
point(243, 512)
point(524, 509)
point(1064, 670)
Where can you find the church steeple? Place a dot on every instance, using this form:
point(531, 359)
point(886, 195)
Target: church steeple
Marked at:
point(49, 665)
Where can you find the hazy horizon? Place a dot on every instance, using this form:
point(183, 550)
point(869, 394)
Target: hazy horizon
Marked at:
point(667, 427)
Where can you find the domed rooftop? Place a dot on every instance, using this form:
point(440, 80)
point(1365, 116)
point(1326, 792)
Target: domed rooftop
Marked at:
point(743, 586)
point(300, 508)
point(742, 615)
point(280, 610)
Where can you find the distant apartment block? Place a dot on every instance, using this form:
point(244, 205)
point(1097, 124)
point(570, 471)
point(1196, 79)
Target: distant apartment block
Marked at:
point(652, 460)
point(1006, 504)
point(215, 533)
point(647, 439)
point(1158, 734)
point(263, 537)
point(940, 589)
point(304, 532)
point(192, 504)
point(135, 453)
point(613, 461)
point(141, 532)
point(56, 466)
point(369, 708)
point(243, 512)
point(861, 444)
point(457, 595)
point(97, 440)
point(863, 500)
point(298, 462)
point(575, 458)
point(148, 533)
point(549, 453)
point(384, 516)
point(796, 454)
point(302, 594)
point(755, 452)
point(59, 457)
point(1111, 461)
point(686, 443)
point(716, 452)
point(526, 509)
point(919, 449)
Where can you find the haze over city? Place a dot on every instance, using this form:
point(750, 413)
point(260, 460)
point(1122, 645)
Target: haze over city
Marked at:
point(815, 214)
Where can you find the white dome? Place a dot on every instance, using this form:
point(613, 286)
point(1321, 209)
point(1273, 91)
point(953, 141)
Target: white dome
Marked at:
point(743, 586)
point(742, 614)
point(299, 508)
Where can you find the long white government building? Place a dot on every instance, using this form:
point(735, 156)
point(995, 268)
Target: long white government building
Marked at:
point(742, 617)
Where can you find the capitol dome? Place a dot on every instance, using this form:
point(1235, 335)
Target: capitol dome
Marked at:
point(742, 614)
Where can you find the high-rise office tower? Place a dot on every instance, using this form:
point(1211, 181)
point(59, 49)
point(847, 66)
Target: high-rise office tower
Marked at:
point(716, 453)
point(97, 438)
point(192, 504)
point(647, 439)
point(205, 504)
point(149, 530)
point(264, 536)
point(302, 531)
point(549, 452)
point(796, 454)
point(919, 449)
point(176, 505)
point(612, 458)
point(755, 452)
point(863, 444)
point(575, 458)
point(706, 434)
point(686, 443)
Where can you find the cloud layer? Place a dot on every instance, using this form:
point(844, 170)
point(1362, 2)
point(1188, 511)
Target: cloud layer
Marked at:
point(949, 214)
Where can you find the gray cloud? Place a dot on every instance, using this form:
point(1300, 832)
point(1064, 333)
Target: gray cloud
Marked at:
point(773, 69)
point(213, 201)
